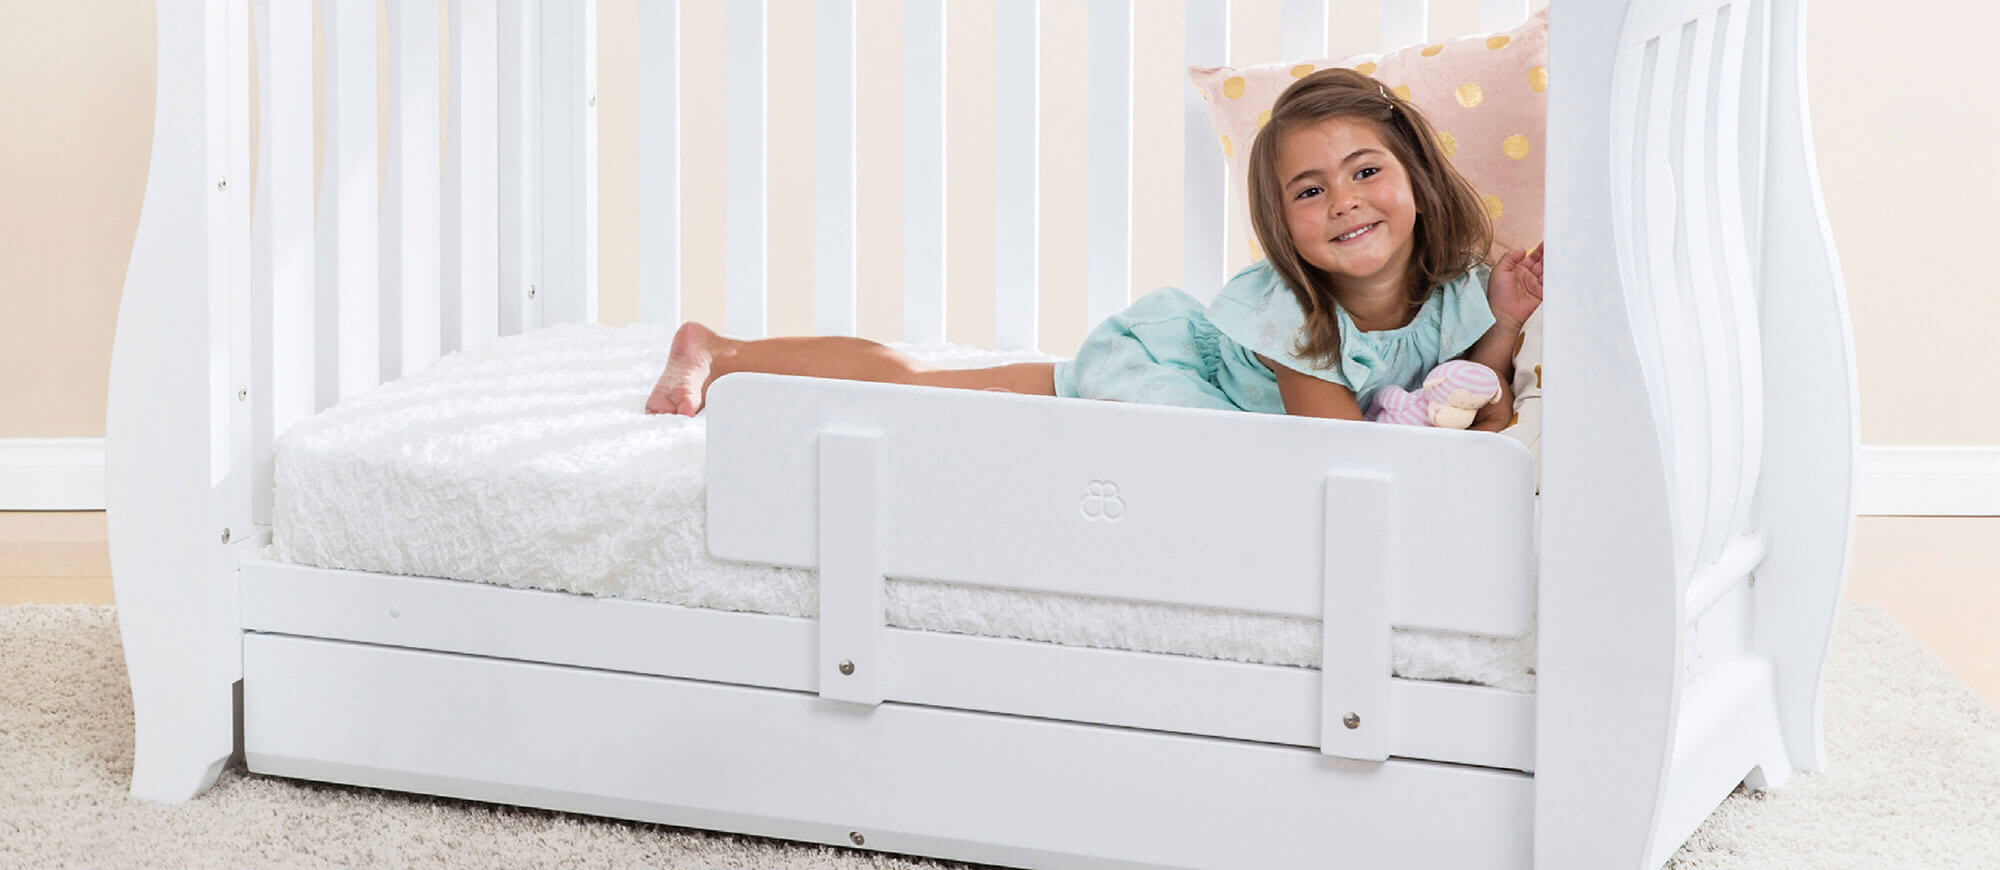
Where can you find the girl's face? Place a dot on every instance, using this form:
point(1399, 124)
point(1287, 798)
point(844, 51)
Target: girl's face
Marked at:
point(1348, 205)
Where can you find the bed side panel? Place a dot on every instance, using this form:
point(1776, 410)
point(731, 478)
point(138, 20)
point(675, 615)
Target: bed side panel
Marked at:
point(1137, 502)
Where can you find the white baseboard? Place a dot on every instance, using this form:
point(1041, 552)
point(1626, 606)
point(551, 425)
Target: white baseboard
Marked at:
point(1928, 481)
point(55, 474)
point(52, 474)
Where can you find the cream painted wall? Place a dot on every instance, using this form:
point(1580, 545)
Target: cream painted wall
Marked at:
point(1908, 210)
point(76, 114)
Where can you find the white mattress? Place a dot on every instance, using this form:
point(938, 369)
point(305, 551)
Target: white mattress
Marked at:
point(529, 463)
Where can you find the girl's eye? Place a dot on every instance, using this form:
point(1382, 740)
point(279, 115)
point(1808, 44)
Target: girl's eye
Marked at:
point(1308, 191)
point(1370, 170)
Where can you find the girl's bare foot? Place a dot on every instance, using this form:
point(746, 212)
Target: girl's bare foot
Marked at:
point(683, 387)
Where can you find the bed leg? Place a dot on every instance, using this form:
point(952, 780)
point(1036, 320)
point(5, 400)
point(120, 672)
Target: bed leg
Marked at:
point(1812, 429)
point(178, 416)
point(184, 656)
point(180, 745)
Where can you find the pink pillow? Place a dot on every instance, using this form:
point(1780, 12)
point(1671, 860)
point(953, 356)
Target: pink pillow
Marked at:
point(1484, 94)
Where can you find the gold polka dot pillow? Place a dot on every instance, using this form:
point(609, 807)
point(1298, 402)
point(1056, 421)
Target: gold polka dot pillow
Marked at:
point(1483, 93)
point(1526, 426)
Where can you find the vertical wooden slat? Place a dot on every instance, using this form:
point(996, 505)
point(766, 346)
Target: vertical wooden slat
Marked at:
point(284, 369)
point(222, 246)
point(350, 298)
point(1704, 289)
point(568, 292)
point(745, 169)
point(1502, 14)
point(1109, 268)
point(1203, 232)
point(1756, 117)
point(1745, 80)
point(1635, 148)
point(471, 177)
point(1669, 320)
point(1302, 29)
point(411, 233)
point(234, 453)
point(585, 230)
point(1017, 173)
point(1629, 82)
point(257, 387)
point(519, 198)
point(923, 171)
point(1404, 22)
point(660, 162)
point(834, 168)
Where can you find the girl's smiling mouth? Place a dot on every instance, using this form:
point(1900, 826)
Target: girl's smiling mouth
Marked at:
point(1353, 235)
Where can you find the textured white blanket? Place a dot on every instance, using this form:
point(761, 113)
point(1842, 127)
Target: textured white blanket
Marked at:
point(529, 463)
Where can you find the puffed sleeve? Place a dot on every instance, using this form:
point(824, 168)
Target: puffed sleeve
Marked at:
point(1465, 315)
point(1258, 311)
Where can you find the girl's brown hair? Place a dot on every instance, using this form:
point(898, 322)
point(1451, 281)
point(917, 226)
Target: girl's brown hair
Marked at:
point(1453, 231)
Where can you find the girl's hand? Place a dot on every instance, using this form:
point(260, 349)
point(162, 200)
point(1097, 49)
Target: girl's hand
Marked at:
point(1514, 290)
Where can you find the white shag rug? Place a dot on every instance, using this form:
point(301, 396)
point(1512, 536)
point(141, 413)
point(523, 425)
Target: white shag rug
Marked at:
point(1913, 781)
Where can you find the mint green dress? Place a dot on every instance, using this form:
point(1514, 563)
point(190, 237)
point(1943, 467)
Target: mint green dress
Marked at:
point(1166, 349)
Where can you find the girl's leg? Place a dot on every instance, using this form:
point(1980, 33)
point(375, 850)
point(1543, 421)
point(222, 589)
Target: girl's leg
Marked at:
point(699, 356)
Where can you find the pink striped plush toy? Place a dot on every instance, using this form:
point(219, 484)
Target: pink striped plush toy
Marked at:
point(1453, 394)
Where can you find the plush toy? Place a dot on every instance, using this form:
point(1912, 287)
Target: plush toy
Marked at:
point(1453, 394)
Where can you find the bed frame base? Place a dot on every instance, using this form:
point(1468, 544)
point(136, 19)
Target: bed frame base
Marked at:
point(979, 787)
point(1464, 724)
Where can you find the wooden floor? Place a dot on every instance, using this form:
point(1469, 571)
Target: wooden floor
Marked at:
point(53, 558)
point(1938, 576)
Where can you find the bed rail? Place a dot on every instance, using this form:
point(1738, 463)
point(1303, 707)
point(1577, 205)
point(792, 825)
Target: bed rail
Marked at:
point(1101, 500)
point(1358, 526)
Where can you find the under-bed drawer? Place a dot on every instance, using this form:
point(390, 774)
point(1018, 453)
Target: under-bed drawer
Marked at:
point(778, 763)
point(1180, 694)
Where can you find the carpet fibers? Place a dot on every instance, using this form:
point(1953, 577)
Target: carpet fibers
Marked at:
point(1913, 780)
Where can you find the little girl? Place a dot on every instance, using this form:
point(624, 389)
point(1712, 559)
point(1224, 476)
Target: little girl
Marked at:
point(1374, 273)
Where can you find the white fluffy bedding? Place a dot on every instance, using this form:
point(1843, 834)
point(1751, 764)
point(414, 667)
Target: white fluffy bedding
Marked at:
point(528, 463)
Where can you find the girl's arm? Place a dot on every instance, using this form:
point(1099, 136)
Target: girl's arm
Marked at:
point(1496, 416)
point(1495, 350)
point(1513, 292)
point(1308, 396)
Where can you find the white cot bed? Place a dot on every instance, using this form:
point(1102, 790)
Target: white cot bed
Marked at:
point(991, 627)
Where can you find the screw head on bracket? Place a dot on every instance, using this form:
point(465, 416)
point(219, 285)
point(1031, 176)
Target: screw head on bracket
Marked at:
point(846, 667)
